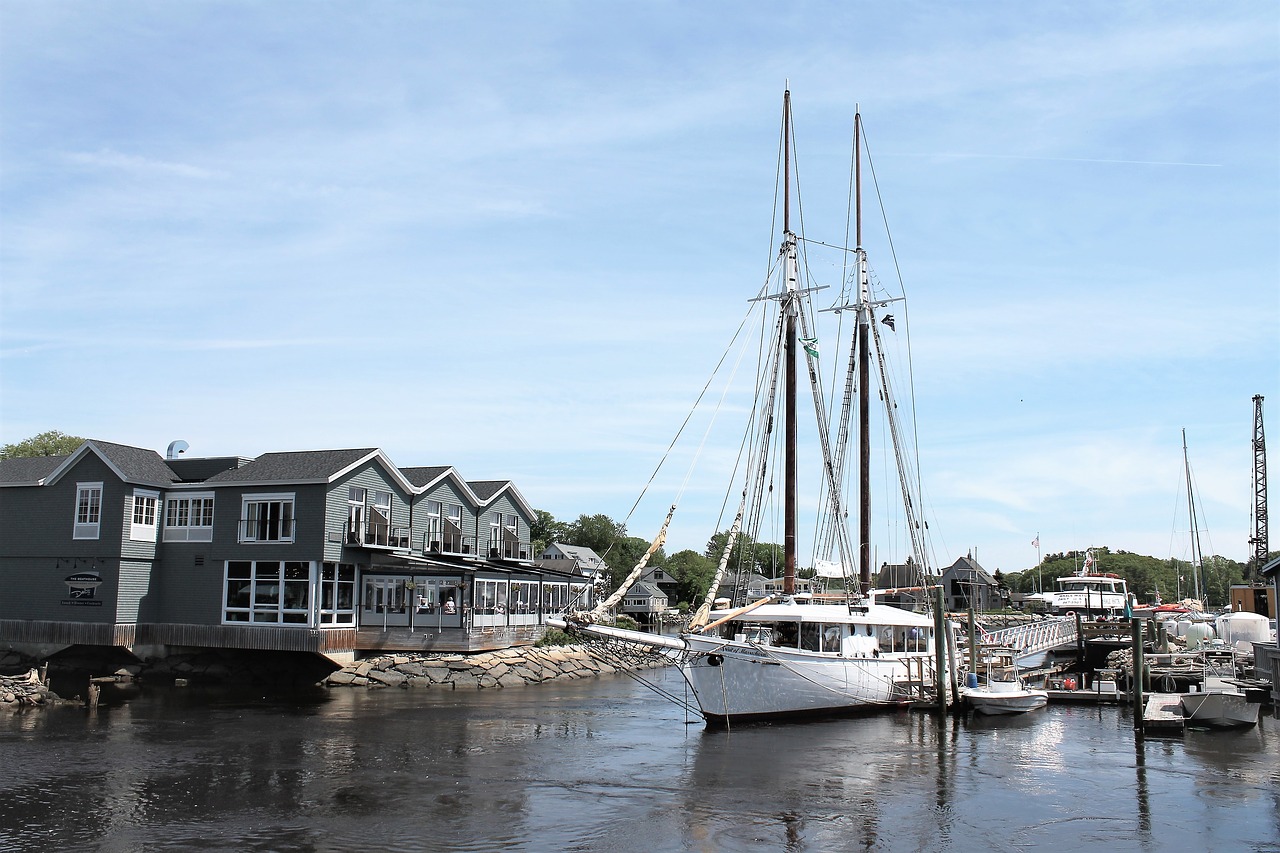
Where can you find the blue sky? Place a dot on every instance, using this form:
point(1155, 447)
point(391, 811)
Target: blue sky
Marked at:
point(515, 237)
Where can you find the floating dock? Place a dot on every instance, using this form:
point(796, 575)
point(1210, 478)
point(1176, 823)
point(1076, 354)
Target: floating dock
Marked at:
point(1163, 713)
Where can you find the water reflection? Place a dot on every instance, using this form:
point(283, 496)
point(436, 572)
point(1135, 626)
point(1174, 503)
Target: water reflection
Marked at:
point(606, 765)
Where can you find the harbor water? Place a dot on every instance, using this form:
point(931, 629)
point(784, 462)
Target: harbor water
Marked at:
point(607, 765)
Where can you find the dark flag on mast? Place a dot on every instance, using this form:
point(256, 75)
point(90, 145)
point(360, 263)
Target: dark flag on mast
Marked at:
point(888, 321)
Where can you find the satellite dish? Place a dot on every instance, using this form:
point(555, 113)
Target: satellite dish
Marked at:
point(176, 449)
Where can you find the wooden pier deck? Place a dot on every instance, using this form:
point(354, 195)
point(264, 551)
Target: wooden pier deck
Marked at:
point(1163, 713)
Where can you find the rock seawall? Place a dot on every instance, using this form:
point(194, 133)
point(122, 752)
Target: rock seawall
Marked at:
point(17, 691)
point(505, 668)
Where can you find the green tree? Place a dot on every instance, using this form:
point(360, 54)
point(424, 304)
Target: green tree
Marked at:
point(596, 532)
point(543, 530)
point(763, 558)
point(51, 443)
point(693, 573)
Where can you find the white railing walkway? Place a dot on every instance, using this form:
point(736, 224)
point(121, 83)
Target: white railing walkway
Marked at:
point(1033, 637)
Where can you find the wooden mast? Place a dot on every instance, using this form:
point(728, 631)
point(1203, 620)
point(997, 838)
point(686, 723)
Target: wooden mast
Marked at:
point(864, 374)
point(789, 271)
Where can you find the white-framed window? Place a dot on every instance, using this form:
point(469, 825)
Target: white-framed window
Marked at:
point(337, 594)
point(267, 518)
point(431, 539)
point(380, 519)
point(355, 515)
point(490, 603)
point(143, 526)
point(189, 518)
point(268, 591)
point(88, 511)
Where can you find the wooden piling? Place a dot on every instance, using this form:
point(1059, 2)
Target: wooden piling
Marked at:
point(939, 650)
point(1135, 677)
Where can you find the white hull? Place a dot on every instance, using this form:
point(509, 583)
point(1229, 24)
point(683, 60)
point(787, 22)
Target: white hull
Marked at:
point(1005, 701)
point(737, 681)
point(1220, 709)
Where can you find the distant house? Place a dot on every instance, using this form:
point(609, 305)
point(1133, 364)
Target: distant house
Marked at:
point(576, 558)
point(668, 585)
point(751, 587)
point(965, 584)
point(335, 552)
point(902, 585)
point(644, 602)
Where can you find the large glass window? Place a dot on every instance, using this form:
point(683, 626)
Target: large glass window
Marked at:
point(189, 519)
point(268, 591)
point(555, 598)
point(337, 594)
point(267, 518)
point(88, 510)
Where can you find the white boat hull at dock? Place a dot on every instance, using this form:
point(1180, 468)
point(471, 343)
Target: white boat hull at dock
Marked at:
point(1220, 709)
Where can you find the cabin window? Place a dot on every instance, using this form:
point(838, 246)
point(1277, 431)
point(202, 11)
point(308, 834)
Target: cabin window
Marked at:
point(337, 594)
point(831, 636)
point(267, 591)
point(787, 635)
point(189, 518)
point(811, 636)
point(143, 527)
point(267, 518)
point(88, 510)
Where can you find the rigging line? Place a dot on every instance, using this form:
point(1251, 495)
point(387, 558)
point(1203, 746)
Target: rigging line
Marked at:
point(897, 267)
point(724, 355)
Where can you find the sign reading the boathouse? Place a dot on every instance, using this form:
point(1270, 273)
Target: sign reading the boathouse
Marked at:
point(82, 589)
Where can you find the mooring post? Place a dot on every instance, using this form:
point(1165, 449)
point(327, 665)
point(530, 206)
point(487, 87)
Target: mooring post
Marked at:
point(973, 641)
point(94, 690)
point(939, 650)
point(1135, 677)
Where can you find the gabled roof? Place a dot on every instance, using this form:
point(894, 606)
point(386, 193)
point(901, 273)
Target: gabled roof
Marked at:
point(428, 475)
point(489, 491)
point(131, 464)
point(580, 554)
point(28, 470)
point(648, 590)
point(969, 566)
point(306, 466)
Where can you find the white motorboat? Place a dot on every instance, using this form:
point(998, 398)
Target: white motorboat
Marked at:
point(1001, 689)
point(1219, 703)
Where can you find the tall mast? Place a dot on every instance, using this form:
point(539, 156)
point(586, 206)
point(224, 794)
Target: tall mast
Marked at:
point(1191, 511)
point(790, 272)
point(864, 373)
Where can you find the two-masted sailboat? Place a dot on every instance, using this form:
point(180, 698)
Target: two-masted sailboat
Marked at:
point(796, 654)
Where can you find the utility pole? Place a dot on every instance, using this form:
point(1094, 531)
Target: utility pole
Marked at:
point(1259, 538)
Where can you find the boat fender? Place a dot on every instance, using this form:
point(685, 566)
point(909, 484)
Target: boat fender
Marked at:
point(714, 660)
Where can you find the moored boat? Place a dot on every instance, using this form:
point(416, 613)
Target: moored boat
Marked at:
point(792, 654)
point(1001, 689)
